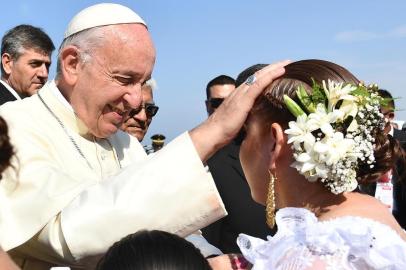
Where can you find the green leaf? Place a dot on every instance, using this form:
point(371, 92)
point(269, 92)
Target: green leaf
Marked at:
point(292, 106)
point(361, 91)
point(318, 96)
point(305, 99)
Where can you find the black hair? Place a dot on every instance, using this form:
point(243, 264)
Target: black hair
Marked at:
point(22, 37)
point(390, 102)
point(219, 80)
point(153, 250)
point(243, 76)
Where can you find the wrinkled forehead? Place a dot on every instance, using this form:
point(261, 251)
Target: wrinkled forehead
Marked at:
point(131, 35)
point(126, 47)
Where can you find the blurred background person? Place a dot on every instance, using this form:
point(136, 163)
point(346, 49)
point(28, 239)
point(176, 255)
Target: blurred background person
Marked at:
point(217, 90)
point(244, 215)
point(25, 60)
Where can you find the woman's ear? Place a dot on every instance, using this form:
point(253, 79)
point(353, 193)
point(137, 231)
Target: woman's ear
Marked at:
point(278, 139)
point(70, 60)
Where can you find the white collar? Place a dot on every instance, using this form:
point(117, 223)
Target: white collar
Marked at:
point(11, 90)
point(57, 93)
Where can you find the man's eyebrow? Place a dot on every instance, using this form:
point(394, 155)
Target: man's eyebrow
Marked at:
point(39, 60)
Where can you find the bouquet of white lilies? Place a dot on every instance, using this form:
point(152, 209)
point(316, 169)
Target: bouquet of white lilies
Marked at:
point(334, 132)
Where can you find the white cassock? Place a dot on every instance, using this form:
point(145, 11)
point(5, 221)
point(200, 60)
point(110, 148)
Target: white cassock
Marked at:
point(70, 195)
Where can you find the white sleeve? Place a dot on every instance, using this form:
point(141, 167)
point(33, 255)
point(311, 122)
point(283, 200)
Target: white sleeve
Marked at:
point(201, 243)
point(170, 190)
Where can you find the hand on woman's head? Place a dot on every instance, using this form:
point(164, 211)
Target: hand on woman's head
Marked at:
point(225, 123)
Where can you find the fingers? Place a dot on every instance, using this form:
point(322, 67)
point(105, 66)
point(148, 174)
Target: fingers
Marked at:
point(264, 77)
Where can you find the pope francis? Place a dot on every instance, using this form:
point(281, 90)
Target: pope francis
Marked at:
point(78, 184)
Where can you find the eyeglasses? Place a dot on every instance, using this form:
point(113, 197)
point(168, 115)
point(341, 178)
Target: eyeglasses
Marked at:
point(150, 110)
point(215, 102)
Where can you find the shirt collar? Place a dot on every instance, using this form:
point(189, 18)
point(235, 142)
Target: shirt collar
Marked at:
point(55, 91)
point(10, 89)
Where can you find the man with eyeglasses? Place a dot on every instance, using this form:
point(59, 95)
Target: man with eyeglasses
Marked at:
point(138, 121)
point(244, 215)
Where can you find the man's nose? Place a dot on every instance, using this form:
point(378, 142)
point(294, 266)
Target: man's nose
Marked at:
point(133, 96)
point(43, 71)
point(141, 115)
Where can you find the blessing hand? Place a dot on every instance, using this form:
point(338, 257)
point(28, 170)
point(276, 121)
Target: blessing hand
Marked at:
point(223, 125)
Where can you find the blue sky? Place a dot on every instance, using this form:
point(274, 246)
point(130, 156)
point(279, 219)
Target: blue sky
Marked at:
point(198, 40)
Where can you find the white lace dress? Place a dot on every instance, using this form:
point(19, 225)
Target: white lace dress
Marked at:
point(303, 242)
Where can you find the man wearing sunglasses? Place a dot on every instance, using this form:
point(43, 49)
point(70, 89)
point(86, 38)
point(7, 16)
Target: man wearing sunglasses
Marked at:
point(217, 90)
point(138, 121)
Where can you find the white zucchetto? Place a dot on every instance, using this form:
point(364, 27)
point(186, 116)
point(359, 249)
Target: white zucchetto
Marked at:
point(101, 15)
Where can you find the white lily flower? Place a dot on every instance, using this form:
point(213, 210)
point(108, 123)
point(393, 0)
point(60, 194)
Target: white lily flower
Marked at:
point(322, 120)
point(337, 147)
point(299, 131)
point(349, 108)
point(336, 92)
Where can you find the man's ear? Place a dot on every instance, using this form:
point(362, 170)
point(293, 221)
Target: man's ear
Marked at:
point(7, 63)
point(278, 139)
point(70, 63)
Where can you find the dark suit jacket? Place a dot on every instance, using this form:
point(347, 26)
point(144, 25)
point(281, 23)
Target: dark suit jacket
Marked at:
point(5, 95)
point(244, 215)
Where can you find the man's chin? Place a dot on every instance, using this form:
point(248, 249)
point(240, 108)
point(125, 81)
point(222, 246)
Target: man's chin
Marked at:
point(104, 133)
point(139, 135)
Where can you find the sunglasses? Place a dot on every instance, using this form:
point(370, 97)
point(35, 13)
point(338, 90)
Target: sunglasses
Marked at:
point(150, 110)
point(215, 102)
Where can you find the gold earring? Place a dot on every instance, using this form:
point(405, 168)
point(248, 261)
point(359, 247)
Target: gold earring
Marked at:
point(270, 202)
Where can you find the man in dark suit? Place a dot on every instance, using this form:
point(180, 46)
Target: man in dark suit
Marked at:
point(244, 215)
point(25, 60)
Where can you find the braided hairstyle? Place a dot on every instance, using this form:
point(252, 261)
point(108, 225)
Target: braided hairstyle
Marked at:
point(270, 107)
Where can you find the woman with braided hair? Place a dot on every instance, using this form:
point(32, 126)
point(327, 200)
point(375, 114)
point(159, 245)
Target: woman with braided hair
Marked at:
point(311, 138)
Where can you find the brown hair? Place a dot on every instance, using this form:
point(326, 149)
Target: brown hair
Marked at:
point(270, 106)
point(6, 150)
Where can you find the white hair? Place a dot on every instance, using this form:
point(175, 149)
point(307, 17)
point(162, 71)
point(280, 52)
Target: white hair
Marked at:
point(86, 41)
point(152, 84)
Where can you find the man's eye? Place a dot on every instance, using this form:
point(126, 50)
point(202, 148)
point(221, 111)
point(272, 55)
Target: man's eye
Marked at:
point(123, 80)
point(35, 64)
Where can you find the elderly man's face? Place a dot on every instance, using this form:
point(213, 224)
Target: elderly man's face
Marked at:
point(29, 72)
point(108, 85)
point(137, 125)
